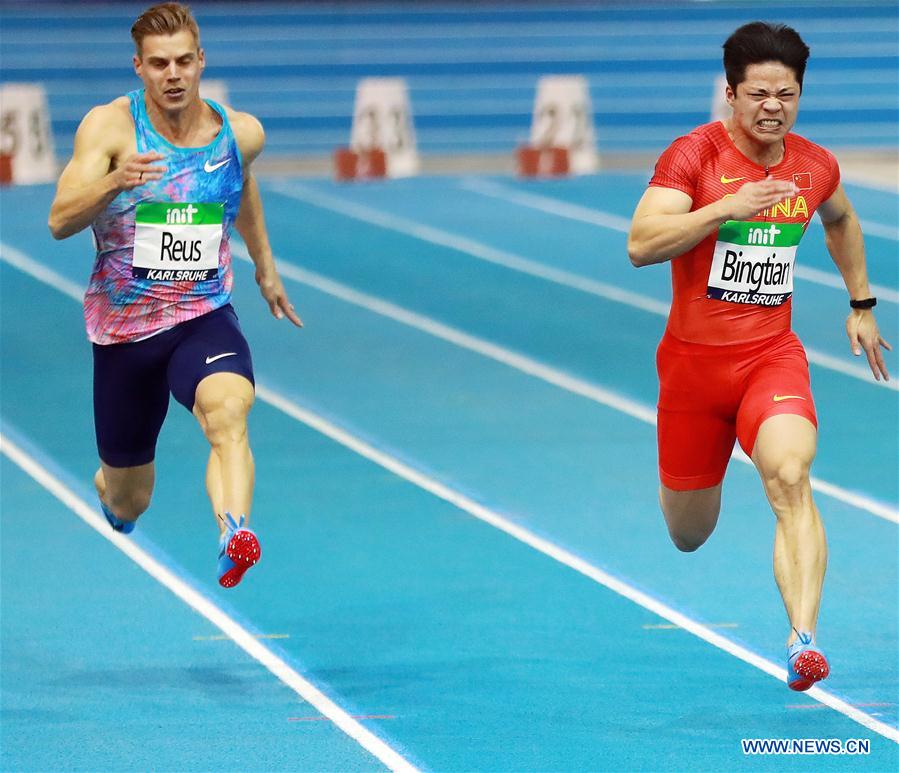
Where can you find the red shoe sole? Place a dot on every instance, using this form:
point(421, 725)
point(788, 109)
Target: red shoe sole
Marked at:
point(812, 667)
point(243, 549)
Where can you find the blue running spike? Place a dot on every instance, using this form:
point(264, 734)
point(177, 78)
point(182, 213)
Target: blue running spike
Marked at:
point(125, 527)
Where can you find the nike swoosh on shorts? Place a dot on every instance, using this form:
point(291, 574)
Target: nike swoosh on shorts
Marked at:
point(210, 360)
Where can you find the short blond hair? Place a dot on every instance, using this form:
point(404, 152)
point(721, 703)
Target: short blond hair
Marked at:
point(164, 19)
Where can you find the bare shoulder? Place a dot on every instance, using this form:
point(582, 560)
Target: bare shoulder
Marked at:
point(109, 125)
point(112, 115)
point(248, 132)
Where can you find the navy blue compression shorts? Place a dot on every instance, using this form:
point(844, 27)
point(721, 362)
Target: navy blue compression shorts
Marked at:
point(132, 381)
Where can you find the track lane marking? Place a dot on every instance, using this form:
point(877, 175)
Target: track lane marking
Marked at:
point(243, 638)
point(522, 265)
point(523, 535)
point(522, 363)
point(592, 216)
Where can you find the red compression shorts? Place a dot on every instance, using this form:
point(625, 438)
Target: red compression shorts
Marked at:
point(711, 395)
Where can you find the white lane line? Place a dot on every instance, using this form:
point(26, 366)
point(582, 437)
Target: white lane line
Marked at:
point(203, 606)
point(523, 535)
point(622, 225)
point(468, 246)
point(546, 204)
point(873, 229)
point(522, 363)
point(39, 271)
point(539, 370)
point(672, 627)
point(222, 637)
point(559, 554)
point(523, 265)
point(607, 220)
point(863, 180)
point(829, 279)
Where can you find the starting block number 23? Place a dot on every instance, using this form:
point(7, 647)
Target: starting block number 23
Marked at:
point(382, 127)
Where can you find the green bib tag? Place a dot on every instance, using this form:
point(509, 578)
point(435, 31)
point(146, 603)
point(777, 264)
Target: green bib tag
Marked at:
point(753, 262)
point(176, 242)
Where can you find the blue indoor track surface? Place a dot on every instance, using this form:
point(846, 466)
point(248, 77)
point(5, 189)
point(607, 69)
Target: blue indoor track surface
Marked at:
point(457, 502)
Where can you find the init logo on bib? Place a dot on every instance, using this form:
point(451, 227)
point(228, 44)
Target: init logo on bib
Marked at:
point(753, 262)
point(175, 242)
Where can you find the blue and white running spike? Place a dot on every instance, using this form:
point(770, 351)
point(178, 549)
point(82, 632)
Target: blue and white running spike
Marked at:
point(806, 664)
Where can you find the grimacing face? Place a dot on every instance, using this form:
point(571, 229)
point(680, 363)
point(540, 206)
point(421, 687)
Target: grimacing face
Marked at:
point(170, 67)
point(766, 103)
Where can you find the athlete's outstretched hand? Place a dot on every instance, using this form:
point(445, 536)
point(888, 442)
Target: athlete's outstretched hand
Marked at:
point(272, 289)
point(753, 198)
point(139, 169)
point(861, 327)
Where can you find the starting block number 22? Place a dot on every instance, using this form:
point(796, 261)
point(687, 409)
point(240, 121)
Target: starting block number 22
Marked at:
point(561, 125)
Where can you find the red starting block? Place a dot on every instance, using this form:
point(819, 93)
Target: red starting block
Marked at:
point(5, 169)
point(542, 162)
point(364, 165)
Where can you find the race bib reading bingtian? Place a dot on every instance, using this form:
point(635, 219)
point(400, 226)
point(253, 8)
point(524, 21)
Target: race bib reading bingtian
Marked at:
point(176, 242)
point(753, 262)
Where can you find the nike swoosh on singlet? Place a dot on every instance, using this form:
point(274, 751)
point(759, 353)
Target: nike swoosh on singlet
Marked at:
point(779, 398)
point(212, 167)
point(724, 180)
point(210, 360)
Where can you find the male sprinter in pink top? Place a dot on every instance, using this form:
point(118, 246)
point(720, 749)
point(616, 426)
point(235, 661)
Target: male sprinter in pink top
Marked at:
point(162, 177)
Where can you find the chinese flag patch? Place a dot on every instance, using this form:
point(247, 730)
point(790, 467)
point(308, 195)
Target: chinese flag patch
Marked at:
point(803, 180)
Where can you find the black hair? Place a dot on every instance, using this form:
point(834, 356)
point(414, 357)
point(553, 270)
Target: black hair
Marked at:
point(759, 42)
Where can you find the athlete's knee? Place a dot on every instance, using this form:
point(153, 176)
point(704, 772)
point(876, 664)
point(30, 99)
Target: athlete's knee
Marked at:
point(787, 481)
point(689, 531)
point(689, 541)
point(225, 420)
point(691, 517)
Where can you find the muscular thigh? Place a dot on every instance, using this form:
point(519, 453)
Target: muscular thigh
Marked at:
point(213, 343)
point(696, 416)
point(778, 383)
point(130, 400)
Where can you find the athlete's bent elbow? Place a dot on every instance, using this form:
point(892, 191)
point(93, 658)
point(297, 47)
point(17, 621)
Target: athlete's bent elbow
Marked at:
point(58, 228)
point(55, 228)
point(636, 253)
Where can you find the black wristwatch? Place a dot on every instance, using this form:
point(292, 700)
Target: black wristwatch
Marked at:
point(864, 303)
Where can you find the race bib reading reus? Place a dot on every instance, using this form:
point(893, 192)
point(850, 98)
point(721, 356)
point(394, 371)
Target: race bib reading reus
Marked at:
point(753, 262)
point(176, 242)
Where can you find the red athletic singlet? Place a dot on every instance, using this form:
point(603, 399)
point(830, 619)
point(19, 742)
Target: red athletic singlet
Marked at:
point(728, 360)
point(735, 285)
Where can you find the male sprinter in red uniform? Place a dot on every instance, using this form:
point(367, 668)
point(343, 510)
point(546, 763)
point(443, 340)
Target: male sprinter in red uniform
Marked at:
point(728, 204)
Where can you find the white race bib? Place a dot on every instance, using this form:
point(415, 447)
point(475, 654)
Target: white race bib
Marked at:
point(753, 262)
point(176, 242)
